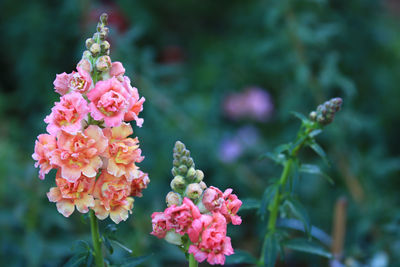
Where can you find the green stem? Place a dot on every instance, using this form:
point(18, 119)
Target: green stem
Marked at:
point(192, 261)
point(94, 226)
point(274, 211)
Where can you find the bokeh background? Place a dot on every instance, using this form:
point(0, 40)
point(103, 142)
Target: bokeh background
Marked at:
point(223, 77)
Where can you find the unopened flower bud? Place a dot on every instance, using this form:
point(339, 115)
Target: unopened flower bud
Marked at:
point(173, 198)
point(174, 171)
point(103, 63)
point(103, 33)
point(104, 46)
point(104, 18)
point(173, 238)
point(203, 185)
point(175, 162)
point(184, 160)
point(179, 146)
point(190, 162)
point(199, 175)
point(89, 43)
point(86, 54)
point(191, 173)
point(95, 49)
point(194, 191)
point(313, 115)
point(178, 183)
point(182, 169)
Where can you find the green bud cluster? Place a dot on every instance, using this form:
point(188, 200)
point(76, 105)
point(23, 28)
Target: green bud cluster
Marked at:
point(187, 181)
point(325, 113)
point(98, 49)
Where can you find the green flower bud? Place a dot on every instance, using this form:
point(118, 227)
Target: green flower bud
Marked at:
point(103, 63)
point(89, 42)
point(203, 185)
point(104, 18)
point(173, 198)
point(182, 169)
point(199, 175)
point(184, 160)
point(105, 46)
point(86, 54)
point(178, 184)
point(191, 174)
point(175, 162)
point(313, 115)
point(190, 162)
point(194, 191)
point(175, 171)
point(95, 49)
point(179, 146)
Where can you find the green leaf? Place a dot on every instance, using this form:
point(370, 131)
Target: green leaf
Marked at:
point(114, 241)
point(314, 169)
point(108, 245)
point(299, 116)
point(240, 256)
point(315, 133)
point(89, 259)
point(277, 158)
point(269, 193)
point(320, 152)
point(307, 246)
point(271, 249)
point(299, 212)
point(249, 204)
point(76, 261)
point(132, 262)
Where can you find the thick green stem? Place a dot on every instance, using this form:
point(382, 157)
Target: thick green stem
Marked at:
point(192, 261)
point(98, 254)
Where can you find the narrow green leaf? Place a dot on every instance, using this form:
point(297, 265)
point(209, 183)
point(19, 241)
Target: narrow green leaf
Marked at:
point(89, 259)
point(271, 249)
point(108, 245)
point(299, 212)
point(282, 148)
point(269, 193)
point(314, 169)
point(132, 262)
point(76, 261)
point(249, 204)
point(114, 241)
point(315, 132)
point(299, 116)
point(240, 256)
point(307, 246)
point(320, 152)
point(277, 158)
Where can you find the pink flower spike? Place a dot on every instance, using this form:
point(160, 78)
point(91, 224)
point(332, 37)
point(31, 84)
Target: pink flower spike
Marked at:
point(110, 102)
point(44, 147)
point(68, 114)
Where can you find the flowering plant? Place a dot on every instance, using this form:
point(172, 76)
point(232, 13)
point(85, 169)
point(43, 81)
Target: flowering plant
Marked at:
point(88, 140)
point(197, 216)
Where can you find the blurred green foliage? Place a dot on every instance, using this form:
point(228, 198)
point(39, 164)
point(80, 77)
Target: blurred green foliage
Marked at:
point(185, 57)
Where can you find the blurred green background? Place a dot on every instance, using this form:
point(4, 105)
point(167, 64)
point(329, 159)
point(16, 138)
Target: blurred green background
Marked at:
point(223, 77)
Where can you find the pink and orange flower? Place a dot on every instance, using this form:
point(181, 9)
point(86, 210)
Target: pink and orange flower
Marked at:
point(69, 195)
point(44, 147)
point(112, 197)
point(123, 153)
point(109, 102)
point(79, 154)
point(68, 114)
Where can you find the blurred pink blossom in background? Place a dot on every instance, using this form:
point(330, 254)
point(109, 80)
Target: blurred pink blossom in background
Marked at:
point(252, 103)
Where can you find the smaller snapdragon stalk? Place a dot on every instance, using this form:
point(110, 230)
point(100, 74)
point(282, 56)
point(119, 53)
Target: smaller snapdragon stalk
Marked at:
point(309, 128)
point(98, 254)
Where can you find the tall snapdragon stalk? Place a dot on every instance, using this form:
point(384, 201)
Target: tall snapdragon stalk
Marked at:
point(88, 143)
